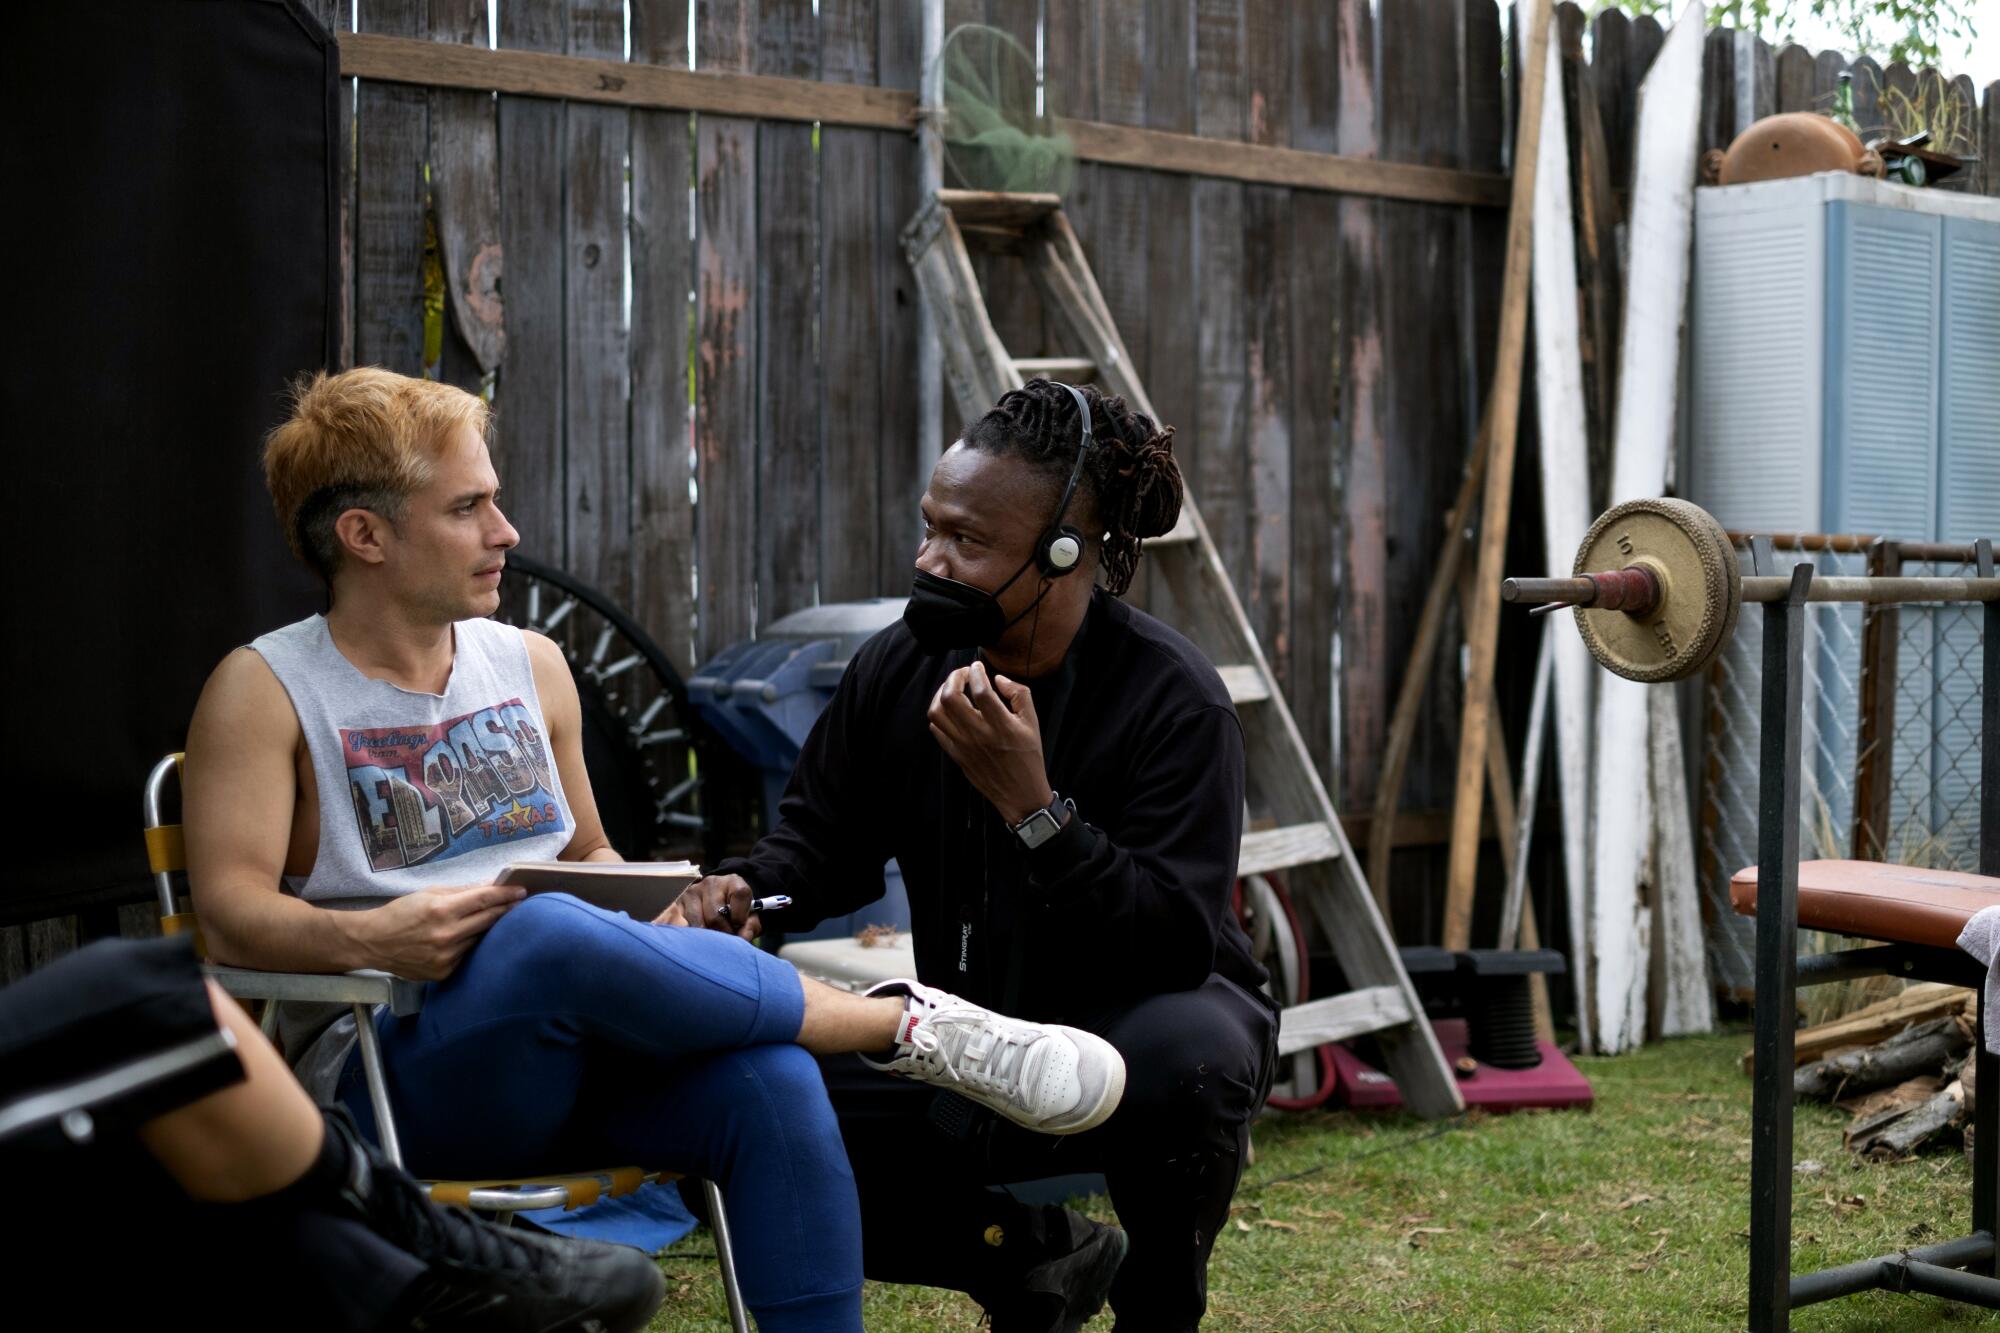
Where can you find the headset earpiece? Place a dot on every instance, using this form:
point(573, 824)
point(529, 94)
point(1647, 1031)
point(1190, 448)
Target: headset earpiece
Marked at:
point(1060, 550)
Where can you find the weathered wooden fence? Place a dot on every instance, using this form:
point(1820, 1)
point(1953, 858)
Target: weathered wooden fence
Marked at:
point(1290, 334)
point(707, 391)
point(702, 350)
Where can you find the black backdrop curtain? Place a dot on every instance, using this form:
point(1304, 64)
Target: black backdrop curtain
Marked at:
point(171, 262)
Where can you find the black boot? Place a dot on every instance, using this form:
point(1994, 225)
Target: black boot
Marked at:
point(1058, 1294)
point(480, 1276)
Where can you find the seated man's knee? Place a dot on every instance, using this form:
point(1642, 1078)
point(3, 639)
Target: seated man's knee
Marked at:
point(550, 933)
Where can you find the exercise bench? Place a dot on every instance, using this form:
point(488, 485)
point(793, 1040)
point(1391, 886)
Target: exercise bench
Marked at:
point(1914, 915)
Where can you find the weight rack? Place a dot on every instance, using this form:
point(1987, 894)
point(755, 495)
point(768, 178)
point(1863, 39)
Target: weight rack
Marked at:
point(1962, 1270)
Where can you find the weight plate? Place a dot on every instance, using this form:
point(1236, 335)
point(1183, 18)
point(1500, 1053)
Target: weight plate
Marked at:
point(1701, 589)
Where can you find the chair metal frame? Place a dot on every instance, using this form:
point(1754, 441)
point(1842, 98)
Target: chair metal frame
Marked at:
point(1959, 1270)
point(362, 991)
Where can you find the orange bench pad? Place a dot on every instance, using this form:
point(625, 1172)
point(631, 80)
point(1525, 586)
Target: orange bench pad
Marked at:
point(1896, 904)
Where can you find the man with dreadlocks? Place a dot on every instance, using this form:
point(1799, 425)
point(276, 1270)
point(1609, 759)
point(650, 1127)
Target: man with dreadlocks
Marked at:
point(1060, 778)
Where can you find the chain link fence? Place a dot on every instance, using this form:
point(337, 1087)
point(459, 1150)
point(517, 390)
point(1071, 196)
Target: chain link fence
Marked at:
point(1889, 741)
point(1933, 799)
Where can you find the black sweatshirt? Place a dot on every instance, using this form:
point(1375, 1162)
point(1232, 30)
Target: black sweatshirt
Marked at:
point(1130, 899)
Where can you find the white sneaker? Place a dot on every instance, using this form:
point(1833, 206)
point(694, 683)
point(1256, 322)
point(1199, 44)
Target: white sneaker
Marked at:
point(1042, 1076)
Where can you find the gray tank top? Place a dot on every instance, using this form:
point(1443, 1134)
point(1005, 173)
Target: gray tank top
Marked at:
point(415, 790)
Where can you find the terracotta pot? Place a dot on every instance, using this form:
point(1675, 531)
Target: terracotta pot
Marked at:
point(1796, 143)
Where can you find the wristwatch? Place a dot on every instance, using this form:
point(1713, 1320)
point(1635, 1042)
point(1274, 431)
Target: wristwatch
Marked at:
point(1044, 824)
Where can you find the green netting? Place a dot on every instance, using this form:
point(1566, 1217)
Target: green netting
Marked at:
point(993, 139)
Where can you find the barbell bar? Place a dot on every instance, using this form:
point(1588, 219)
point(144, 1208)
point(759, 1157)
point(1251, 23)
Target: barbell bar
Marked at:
point(1657, 589)
point(1579, 592)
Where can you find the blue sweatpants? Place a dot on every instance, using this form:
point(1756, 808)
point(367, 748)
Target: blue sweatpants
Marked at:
point(573, 1038)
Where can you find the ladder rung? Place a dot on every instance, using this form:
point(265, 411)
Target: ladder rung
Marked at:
point(1246, 684)
point(1283, 848)
point(988, 208)
point(1065, 369)
point(1338, 1017)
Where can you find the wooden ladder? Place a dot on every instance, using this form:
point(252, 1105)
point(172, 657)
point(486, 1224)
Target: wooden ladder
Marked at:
point(1292, 826)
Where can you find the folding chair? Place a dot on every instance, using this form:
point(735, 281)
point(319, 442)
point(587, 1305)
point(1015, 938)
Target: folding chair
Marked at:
point(166, 854)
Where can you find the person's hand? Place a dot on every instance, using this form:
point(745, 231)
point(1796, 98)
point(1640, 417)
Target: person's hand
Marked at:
point(986, 724)
point(424, 935)
point(721, 902)
point(675, 915)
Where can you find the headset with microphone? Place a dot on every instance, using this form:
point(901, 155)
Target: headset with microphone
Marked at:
point(1059, 550)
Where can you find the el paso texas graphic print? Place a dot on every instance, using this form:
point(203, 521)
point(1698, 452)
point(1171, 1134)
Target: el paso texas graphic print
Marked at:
point(428, 793)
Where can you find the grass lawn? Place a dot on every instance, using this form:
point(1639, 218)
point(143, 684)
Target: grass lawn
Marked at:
point(1633, 1215)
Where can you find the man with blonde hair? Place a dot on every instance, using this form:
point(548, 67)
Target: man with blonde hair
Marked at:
point(386, 759)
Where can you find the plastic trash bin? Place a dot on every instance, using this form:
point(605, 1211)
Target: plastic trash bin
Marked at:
point(763, 696)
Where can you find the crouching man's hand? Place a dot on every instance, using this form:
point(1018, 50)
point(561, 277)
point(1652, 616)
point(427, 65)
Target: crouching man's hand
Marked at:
point(425, 935)
point(719, 902)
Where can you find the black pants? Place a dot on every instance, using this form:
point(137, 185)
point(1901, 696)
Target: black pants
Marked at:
point(91, 1048)
point(1197, 1067)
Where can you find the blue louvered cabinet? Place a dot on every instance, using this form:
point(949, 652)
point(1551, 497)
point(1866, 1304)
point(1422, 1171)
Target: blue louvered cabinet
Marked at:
point(1844, 376)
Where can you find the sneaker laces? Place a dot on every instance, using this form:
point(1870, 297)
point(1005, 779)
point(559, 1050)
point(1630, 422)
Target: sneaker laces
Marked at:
point(945, 1044)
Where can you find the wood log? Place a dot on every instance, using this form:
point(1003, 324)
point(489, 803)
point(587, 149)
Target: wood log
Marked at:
point(1904, 1135)
point(1920, 1050)
point(1878, 1021)
point(1877, 1109)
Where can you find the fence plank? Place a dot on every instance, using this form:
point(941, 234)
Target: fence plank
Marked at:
point(1168, 334)
point(1718, 90)
point(1221, 474)
point(389, 208)
point(1317, 522)
point(465, 207)
point(1424, 411)
point(1011, 298)
point(851, 246)
point(1268, 256)
point(1796, 72)
point(904, 475)
point(1117, 239)
point(1756, 88)
point(1363, 682)
point(788, 377)
point(1961, 91)
point(1070, 85)
point(528, 431)
point(663, 569)
point(1597, 216)
point(1611, 77)
point(1900, 78)
point(1489, 131)
point(1867, 97)
point(596, 459)
point(1827, 69)
point(1989, 140)
point(726, 316)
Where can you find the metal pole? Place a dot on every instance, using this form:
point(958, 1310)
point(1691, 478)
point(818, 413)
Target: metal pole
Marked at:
point(1986, 1066)
point(930, 179)
point(1586, 591)
point(378, 1083)
point(1777, 958)
point(1529, 794)
point(725, 1257)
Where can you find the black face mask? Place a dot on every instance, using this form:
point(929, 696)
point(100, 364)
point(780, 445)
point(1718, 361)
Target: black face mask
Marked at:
point(944, 614)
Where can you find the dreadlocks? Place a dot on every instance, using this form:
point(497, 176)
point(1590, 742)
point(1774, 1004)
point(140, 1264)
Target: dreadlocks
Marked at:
point(1130, 479)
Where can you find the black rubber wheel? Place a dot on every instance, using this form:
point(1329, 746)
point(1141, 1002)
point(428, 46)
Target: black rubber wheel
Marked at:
point(646, 752)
